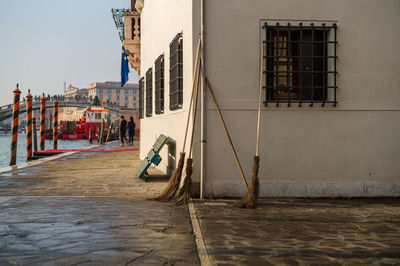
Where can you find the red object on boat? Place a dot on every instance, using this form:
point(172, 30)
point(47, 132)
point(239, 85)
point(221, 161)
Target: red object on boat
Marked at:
point(80, 131)
point(91, 118)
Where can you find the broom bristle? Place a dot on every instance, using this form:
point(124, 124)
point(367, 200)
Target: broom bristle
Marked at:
point(173, 183)
point(186, 189)
point(250, 199)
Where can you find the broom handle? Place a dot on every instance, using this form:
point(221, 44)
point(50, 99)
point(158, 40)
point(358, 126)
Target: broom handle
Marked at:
point(196, 70)
point(196, 95)
point(260, 99)
point(227, 133)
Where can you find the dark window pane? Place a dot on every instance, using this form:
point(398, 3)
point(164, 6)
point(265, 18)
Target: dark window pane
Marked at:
point(149, 92)
point(176, 73)
point(141, 97)
point(159, 84)
point(296, 63)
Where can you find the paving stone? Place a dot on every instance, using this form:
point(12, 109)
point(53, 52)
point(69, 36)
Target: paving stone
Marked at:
point(303, 232)
point(91, 209)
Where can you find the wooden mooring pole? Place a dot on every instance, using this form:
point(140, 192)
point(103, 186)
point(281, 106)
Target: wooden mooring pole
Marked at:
point(14, 127)
point(55, 125)
point(42, 122)
point(34, 135)
point(102, 132)
point(91, 135)
point(28, 126)
point(109, 132)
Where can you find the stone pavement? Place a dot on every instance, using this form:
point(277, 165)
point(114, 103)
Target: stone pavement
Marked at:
point(91, 209)
point(302, 232)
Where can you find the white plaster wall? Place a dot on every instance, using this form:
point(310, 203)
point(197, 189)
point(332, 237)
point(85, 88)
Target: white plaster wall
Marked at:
point(349, 150)
point(161, 21)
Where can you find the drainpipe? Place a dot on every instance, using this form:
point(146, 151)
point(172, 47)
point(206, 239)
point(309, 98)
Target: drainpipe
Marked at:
point(202, 106)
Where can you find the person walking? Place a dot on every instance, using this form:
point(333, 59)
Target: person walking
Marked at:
point(122, 129)
point(131, 130)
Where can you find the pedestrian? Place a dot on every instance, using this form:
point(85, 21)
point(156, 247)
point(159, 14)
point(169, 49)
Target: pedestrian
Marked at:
point(122, 129)
point(131, 130)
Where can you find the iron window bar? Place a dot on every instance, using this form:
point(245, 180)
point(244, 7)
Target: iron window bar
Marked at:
point(159, 84)
point(300, 64)
point(176, 72)
point(141, 97)
point(149, 92)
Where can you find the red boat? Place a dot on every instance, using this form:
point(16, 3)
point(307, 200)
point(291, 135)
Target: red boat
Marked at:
point(91, 118)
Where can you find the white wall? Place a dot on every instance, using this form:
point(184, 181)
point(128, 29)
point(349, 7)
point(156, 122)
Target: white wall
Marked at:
point(348, 150)
point(161, 21)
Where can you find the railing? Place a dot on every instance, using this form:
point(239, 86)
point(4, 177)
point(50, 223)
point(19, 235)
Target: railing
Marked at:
point(6, 110)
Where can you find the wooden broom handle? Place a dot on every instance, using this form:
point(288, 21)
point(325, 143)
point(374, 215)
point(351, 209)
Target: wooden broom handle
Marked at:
point(195, 73)
point(259, 99)
point(194, 112)
point(227, 133)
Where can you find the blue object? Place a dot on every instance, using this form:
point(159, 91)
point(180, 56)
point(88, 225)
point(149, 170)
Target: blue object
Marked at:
point(153, 156)
point(124, 67)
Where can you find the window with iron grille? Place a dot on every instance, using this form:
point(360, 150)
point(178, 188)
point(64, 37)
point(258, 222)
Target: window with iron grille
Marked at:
point(141, 97)
point(149, 92)
point(300, 64)
point(159, 84)
point(176, 73)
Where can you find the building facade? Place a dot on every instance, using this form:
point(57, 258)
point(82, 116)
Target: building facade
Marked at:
point(73, 93)
point(111, 92)
point(128, 22)
point(132, 36)
point(331, 99)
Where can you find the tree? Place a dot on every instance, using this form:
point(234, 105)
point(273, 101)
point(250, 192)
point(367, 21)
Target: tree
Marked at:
point(96, 101)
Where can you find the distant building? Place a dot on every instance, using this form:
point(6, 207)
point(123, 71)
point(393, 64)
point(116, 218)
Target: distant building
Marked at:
point(74, 93)
point(111, 91)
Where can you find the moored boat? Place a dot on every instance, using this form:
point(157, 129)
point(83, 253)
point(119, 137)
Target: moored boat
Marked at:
point(92, 117)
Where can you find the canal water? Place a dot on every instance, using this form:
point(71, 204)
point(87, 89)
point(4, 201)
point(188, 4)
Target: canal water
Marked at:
point(5, 144)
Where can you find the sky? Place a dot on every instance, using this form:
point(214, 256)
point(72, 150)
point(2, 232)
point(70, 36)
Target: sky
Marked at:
point(46, 42)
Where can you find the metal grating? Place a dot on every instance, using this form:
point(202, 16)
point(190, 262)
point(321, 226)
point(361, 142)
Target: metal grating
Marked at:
point(300, 64)
point(149, 92)
point(141, 97)
point(176, 73)
point(118, 16)
point(159, 84)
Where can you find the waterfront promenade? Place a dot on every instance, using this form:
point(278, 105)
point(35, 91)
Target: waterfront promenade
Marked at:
point(91, 209)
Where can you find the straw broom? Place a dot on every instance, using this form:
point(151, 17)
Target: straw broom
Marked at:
point(175, 180)
point(250, 199)
point(173, 183)
point(185, 191)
